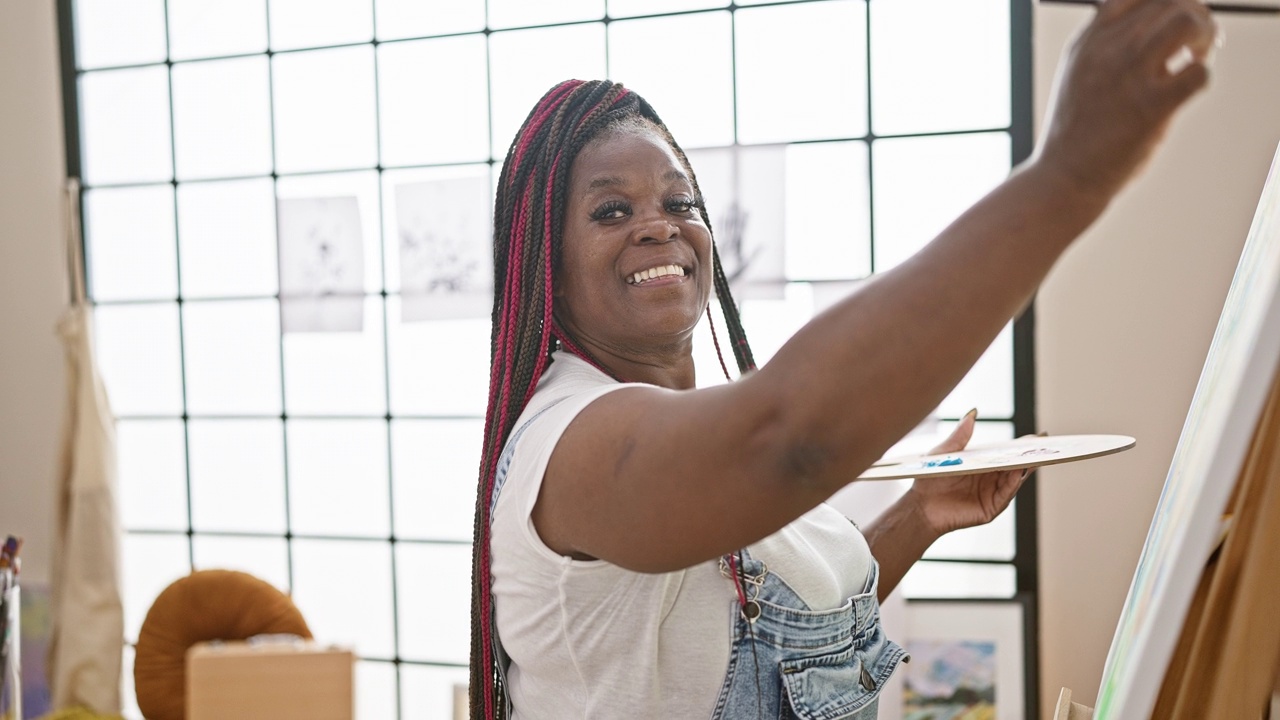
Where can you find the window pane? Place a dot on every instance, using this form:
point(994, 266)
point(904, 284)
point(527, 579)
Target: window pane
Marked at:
point(222, 118)
point(433, 692)
point(993, 541)
point(376, 690)
point(151, 564)
point(417, 18)
point(696, 105)
point(435, 464)
point(950, 72)
point(138, 355)
point(802, 72)
point(574, 51)
point(989, 384)
point(922, 184)
point(208, 28)
point(119, 32)
point(313, 23)
point(128, 697)
point(630, 8)
point(324, 110)
point(434, 625)
point(337, 373)
point(434, 96)
point(828, 211)
point(129, 236)
point(959, 580)
point(338, 477)
point(440, 367)
point(237, 476)
point(770, 323)
point(125, 130)
point(985, 432)
point(232, 357)
point(363, 186)
point(343, 589)
point(153, 474)
point(263, 558)
point(518, 13)
point(228, 236)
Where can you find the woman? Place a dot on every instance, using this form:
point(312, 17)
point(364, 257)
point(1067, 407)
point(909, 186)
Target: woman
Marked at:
point(644, 549)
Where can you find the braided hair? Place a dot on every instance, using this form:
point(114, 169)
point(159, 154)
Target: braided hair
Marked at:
point(528, 220)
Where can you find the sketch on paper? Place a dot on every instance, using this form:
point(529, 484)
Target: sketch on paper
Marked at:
point(950, 680)
point(745, 193)
point(321, 264)
point(446, 260)
point(1228, 401)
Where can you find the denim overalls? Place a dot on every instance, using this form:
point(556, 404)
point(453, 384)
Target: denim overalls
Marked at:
point(787, 662)
point(793, 662)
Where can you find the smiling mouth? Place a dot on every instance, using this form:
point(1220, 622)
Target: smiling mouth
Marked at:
point(655, 273)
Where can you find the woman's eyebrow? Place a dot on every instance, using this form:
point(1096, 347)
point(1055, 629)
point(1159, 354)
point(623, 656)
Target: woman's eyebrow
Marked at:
point(605, 181)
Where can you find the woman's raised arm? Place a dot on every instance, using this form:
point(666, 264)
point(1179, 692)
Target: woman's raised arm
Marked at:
point(654, 479)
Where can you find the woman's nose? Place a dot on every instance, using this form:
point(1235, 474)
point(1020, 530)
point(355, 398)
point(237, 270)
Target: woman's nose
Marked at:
point(655, 228)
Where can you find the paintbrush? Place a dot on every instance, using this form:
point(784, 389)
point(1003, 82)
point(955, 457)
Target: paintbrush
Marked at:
point(1215, 7)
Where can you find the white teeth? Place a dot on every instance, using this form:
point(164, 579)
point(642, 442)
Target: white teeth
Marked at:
point(656, 272)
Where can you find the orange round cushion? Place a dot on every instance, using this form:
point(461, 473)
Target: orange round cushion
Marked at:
point(205, 605)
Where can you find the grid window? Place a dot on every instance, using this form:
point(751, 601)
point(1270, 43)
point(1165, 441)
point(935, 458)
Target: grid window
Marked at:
point(683, 65)
point(216, 28)
point(399, 19)
point(227, 234)
point(330, 444)
point(126, 126)
point(222, 118)
point(801, 72)
point(130, 243)
point(437, 84)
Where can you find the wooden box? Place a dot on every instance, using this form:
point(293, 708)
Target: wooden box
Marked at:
point(275, 680)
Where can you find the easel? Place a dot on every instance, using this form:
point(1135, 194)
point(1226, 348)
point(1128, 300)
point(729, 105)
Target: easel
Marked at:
point(1227, 660)
point(1068, 710)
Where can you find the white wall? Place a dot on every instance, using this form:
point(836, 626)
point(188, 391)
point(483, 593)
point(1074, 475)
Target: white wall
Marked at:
point(32, 286)
point(1123, 327)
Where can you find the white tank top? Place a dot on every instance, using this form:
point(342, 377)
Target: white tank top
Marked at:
point(588, 639)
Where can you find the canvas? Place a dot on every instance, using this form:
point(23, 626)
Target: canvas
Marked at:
point(1233, 385)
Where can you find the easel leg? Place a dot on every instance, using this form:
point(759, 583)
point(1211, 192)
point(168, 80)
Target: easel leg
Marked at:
point(1068, 710)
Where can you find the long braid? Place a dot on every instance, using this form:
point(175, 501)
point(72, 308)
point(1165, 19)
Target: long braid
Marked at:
point(528, 221)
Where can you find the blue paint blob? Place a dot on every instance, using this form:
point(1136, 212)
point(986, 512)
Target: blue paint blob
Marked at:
point(945, 462)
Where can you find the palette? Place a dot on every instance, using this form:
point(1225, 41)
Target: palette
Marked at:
point(1027, 452)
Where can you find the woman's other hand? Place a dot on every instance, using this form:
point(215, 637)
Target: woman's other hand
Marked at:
point(961, 501)
point(1116, 90)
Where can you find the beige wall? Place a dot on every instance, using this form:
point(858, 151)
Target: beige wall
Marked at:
point(1123, 327)
point(32, 289)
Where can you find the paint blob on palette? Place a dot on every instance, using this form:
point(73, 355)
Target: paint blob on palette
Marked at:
point(1027, 452)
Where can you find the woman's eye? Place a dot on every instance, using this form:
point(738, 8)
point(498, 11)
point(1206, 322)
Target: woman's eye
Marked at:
point(682, 205)
point(611, 211)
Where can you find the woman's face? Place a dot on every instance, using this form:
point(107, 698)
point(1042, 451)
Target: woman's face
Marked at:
point(635, 270)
